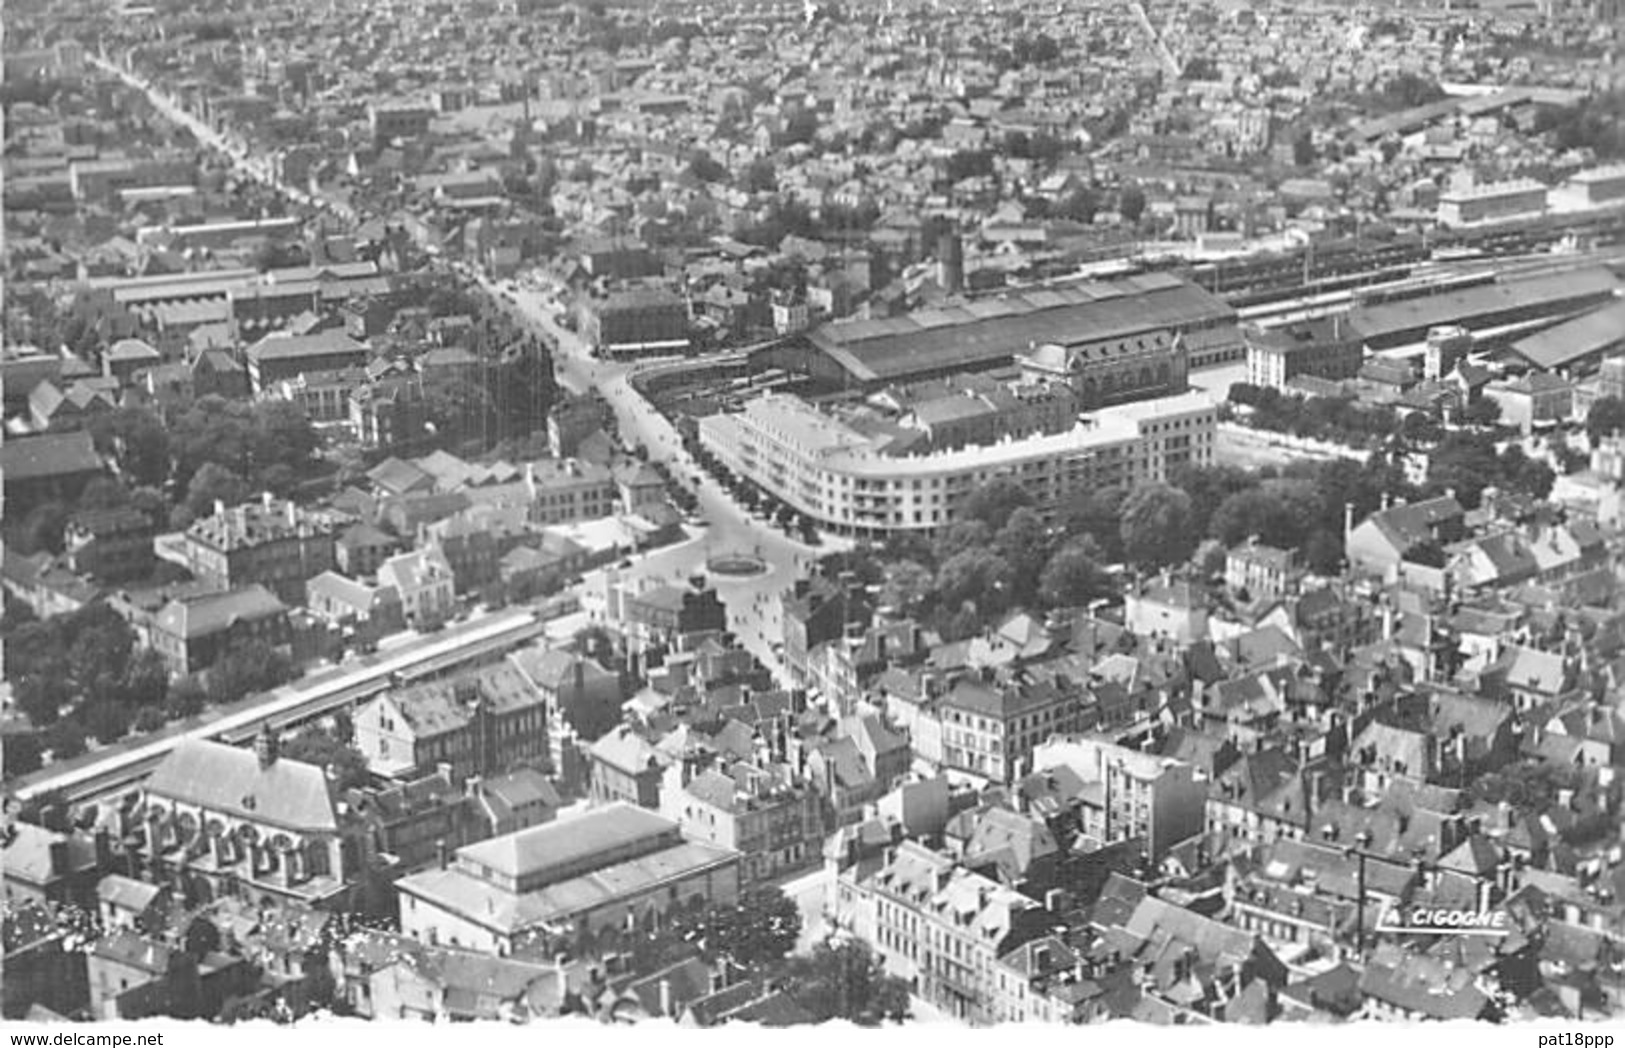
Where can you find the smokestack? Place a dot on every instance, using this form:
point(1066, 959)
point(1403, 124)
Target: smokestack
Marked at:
point(442, 852)
point(951, 262)
point(665, 998)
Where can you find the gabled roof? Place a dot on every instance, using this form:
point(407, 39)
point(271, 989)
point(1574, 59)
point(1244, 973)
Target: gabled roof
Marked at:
point(213, 613)
point(49, 455)
point(214, 776)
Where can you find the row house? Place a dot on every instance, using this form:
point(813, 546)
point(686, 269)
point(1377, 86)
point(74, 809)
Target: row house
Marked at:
point(481, 723)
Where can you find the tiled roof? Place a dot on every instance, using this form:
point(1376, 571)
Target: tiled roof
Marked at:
point(49, 455)
point(214, 612)
point(214, 776)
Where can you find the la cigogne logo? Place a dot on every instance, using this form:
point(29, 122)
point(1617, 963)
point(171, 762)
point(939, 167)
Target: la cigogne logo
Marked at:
point(1421, 920)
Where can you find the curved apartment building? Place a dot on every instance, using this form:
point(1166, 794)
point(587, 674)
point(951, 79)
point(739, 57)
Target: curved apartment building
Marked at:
point(846, 480)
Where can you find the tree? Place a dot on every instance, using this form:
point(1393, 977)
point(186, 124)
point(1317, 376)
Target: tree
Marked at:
point(976, 576)
point(1323, 553)
point(186, 699)
point(1209, 487)
point(1465, 463)
point(994, 502)
point(847, 981)
point(1200, 68)
point(1156, 525)
point(41, 697)
point(968, 163)
point(108, 721)
point(1073, 575)
point(65, 740)
point(1519, 472)
point(757, 933)
point(1024, 544)
point(1279, 513)
point(760, 176)
point(704, 168)
point(245, 669)
point(1209, 558)
point(1097, 513)
point(1131, 202)
point(318, 747)
point(20, 754)
point(1606, 417)
point(211, 484)
point(961, 536)
point(595, 642)
point(103, 493)
point(42, 528)
point(1080, 204)
point(1486, 412)
point(908, 584)
point(1303, 150)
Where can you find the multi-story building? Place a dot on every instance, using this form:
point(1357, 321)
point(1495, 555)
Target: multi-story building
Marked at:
point(566, 491)
point(110, 544)
point(281, 356)
point(1594, 187)
point(389, 122)
point(626, 768)
point(848, 482)
point(192, 633)
point(217, 820)
point(566, 882)
point(939, 927)
point(666, 614)
point(1383, 540)
point(774, 823)
point(416, 820)
point(817, 611)
point(1113, 370)
point(973, 410)
point(423, 582)
point(637, 322)
point(1158, 799)
point(1535, 400)
point(276, 544)
point(1263, 571)
point(1492, 201)
point(991, 725)
point(480, 723)
point(1322, 348)
point(391, 412)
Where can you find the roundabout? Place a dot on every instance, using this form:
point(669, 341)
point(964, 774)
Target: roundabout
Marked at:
point(736, 565)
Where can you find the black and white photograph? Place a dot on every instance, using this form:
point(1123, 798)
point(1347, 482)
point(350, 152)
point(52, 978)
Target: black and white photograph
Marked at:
point(738, 515)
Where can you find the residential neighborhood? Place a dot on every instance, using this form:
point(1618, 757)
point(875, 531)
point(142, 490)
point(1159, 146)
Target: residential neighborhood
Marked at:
point(774, 513)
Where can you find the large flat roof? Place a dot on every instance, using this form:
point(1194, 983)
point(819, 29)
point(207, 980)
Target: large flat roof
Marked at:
point(1458, 307)
point(489, 906)
point(988, 330)
point(559, 844)
point(1575, 339)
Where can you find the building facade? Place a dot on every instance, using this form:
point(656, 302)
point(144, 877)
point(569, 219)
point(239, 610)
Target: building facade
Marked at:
point(273, 543)
point(574, 881)
point(845, 480)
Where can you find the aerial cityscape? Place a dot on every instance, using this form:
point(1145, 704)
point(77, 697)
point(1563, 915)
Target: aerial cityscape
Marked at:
point(771, 512)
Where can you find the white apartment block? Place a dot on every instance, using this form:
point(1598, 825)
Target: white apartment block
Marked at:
point(846, 481)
